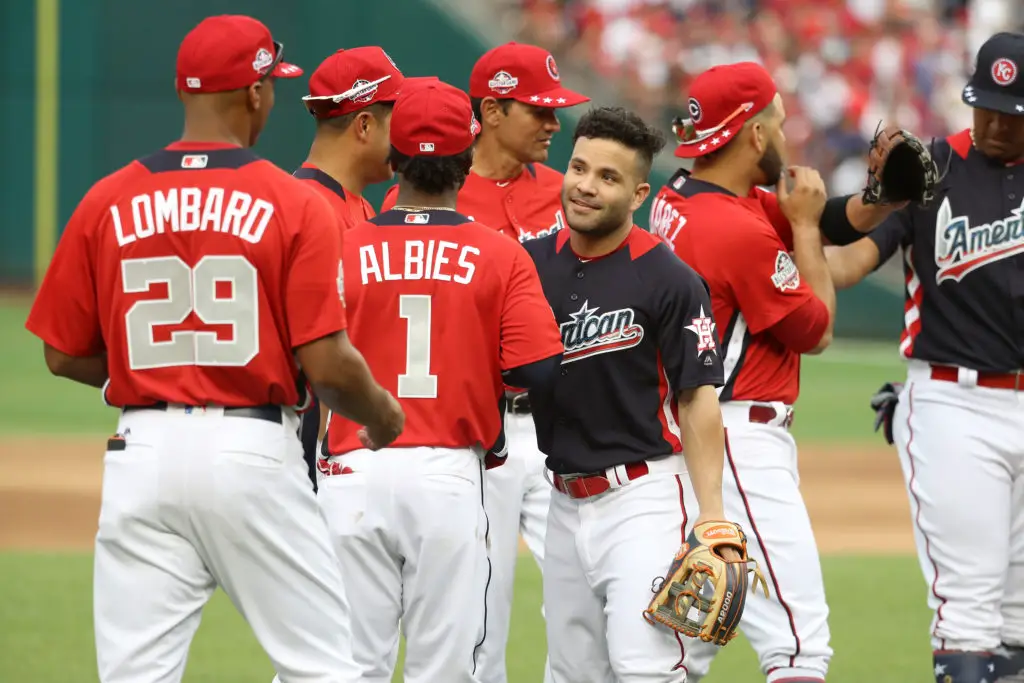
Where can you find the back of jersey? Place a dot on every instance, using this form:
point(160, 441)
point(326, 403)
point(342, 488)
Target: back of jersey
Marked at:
point(203, 266)
point(440, 306)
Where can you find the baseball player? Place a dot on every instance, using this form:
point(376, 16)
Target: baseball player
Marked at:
point(444, 308)
point(350, 96)
point(773, 307)
point(516, 91)
point(185, 285)
point(637, 380)
point(959, 422)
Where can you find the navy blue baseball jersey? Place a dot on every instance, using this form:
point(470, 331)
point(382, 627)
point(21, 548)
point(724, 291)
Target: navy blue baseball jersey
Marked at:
point(637, 329)
point(962, 263)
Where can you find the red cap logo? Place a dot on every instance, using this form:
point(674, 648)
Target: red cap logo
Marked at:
point(552, 68)
point(1004, 71)
point(503, 83)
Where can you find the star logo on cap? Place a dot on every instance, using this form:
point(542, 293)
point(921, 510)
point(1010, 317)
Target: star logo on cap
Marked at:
point(715, 141)
point(561, 100)
point(535, 98)
point(1020, 107)
point(547, 100)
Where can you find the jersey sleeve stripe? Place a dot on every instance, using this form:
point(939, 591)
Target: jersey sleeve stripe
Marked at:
point(911, 306)
point(667, 415)
point(735, 342)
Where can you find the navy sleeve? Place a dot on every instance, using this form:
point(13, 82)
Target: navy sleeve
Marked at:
point(893, 232)
point(688, 337)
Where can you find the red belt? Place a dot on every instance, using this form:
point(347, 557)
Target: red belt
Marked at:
point(587, 485)
point(763, 414)
point(991, 380)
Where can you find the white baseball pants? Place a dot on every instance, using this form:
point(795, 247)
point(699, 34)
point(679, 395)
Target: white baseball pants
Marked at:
point(517, 499)
point(409, 530)
point(199, 500)
point(962, 452)
point(602, 555)
point(761, 492)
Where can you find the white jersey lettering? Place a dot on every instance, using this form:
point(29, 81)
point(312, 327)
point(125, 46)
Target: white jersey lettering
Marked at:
point(190, 209)
point(420, 260)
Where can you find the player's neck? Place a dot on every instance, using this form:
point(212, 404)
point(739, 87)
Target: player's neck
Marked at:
point(724, 176)
point(494, 162)
point(331, 158)
point(594, 246)
point(213, 131)
point(411, 198)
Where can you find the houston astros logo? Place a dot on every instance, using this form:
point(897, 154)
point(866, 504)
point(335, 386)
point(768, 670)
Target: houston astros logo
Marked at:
point(961, 248)
point(695, 111)
point(704, 327)
point(588, 333)
point(1004, 71)
point(263, 60)
point(365, 92)
point(503, 83)
point(552, 68)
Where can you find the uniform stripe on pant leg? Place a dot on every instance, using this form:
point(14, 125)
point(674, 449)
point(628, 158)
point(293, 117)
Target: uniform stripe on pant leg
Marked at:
point(917, 515)
point(764, 550)
point(487, 585)
point(682, 537)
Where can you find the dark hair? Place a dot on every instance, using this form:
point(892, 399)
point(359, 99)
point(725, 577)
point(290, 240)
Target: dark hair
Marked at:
point(379, 110)
point(433, 175)
point(624, 127)
point(477, 103)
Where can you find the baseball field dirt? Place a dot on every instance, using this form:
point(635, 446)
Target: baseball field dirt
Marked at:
point(50, 492)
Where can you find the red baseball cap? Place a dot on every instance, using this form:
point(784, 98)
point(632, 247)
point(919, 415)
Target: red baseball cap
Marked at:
point(354, 78)
point(433, 119)
point(722, 99)
point(524, 73)
point(229, 52)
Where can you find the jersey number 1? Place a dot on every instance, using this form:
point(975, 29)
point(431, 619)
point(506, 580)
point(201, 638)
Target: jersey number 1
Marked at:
point(192, 290)
point(416, 382)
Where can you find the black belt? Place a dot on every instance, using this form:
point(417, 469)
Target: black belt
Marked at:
point(270, 413)
point(519, 404)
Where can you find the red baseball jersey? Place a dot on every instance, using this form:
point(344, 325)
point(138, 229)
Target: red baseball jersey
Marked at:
point(739, 246)
point(526, 207)
point(197, 271)
point(439, 306)
point(352, 209)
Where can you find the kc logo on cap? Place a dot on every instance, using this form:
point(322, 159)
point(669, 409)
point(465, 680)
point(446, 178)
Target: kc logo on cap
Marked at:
point(1004, 71)
point(995, 84)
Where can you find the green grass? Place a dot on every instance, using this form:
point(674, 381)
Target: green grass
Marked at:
point(879, 627)
point(833, 406)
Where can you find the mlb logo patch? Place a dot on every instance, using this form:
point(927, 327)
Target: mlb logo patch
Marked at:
point(426, 146)
point(194, 161)
point(193, 82)
point(418, 218)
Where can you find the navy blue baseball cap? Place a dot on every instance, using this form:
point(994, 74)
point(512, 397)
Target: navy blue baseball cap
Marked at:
point(997, 83)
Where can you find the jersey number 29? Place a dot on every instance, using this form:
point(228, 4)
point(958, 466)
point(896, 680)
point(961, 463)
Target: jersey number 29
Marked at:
point(192, 290)
point(416, 381)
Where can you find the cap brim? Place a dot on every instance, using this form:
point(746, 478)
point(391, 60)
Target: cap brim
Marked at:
point(554, 99)
point(709, 144)
point(995, 101)
point(286, 70)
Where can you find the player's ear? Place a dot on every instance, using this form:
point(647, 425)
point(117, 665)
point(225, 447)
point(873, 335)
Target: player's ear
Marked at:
point(491, 111)
point(759, 136)
point(640, 196)
point(254, 96)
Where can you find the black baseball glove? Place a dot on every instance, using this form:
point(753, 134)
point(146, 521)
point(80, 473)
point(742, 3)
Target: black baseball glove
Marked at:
point(900, 169)
point(883, 403)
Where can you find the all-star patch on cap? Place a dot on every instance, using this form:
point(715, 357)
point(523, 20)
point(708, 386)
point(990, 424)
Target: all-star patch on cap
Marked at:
point(433, 119)
point(229, 52)
point(997, 83)
point(722, 99)
point(352, 79)
point(524, 73)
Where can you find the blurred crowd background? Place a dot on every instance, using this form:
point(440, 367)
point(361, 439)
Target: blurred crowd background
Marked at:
point(841, 65)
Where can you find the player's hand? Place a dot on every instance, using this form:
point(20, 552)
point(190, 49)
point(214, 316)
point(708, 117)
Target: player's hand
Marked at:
point(390, 423)
point(804, 203)
point(727, 553)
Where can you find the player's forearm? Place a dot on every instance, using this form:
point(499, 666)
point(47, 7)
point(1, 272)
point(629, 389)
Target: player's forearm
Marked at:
point(850, 264)
point(809, 255)
point(700, 421)
point(90, 370)
point(866, 217)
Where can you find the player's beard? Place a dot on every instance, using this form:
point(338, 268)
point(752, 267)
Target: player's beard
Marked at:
point(771, 165)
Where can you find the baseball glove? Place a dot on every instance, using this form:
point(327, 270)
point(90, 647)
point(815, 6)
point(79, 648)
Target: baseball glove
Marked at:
point(703, 594)
point(900, 169)
point(884, 404)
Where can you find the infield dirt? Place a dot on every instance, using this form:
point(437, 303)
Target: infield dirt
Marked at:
point(50, 493)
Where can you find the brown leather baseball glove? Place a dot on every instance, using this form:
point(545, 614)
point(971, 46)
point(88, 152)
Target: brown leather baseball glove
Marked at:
point(704, 593)
point(900, 169)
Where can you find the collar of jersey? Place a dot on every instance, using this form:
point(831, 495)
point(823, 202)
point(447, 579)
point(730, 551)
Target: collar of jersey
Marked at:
point(180, 146)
